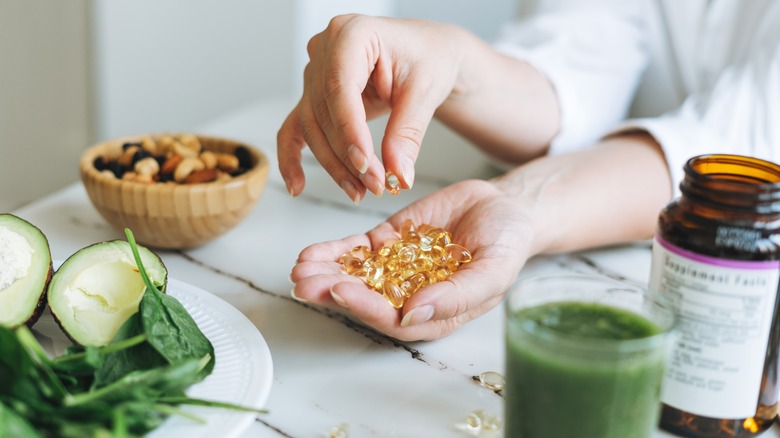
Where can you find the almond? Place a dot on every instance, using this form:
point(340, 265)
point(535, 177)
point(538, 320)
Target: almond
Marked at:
point(202, 176)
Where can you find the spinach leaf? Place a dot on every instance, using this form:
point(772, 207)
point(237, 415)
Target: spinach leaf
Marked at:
point(14, 363)
point(173, 332)
point(144, 385)
point(169, 327)
point(86, 360)
point(14, 425)
point(37, 366)
point(138, 357)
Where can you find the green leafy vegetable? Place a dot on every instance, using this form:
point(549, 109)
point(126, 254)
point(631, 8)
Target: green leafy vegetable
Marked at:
point(123, 361)
point(13, 424)
point(123, 389)
point(171, 329)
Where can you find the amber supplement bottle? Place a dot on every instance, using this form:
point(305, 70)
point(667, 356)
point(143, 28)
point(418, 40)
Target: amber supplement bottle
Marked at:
point(716, 256)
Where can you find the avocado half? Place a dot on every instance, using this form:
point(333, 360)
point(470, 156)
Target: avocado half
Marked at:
point(25, 271)
point(99, 287)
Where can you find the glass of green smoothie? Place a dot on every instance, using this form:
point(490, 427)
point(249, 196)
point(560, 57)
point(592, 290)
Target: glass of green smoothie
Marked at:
point(585, 358)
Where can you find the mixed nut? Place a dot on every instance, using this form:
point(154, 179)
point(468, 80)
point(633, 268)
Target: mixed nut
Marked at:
point(178, 159)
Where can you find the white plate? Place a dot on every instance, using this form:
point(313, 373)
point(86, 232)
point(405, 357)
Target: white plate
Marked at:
point(242, 374)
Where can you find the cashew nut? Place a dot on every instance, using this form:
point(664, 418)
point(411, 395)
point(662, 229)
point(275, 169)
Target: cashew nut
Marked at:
point(187, 145)
point(148, 166)
point(149, 145)
point(209, 159)
point(186, 167)
point(227, 163)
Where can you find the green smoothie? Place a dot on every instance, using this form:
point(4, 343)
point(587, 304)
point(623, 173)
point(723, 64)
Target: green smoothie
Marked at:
point(583, 370)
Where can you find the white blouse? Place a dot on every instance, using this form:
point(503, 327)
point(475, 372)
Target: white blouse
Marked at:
point(701, 76)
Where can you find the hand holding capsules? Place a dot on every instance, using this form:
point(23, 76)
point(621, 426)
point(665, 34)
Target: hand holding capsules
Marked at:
point(553, 204)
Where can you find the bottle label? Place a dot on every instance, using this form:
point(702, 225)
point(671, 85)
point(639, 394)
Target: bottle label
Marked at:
point(724, 314)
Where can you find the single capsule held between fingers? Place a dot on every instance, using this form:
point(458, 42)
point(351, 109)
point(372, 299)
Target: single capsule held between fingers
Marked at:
point(393, 184)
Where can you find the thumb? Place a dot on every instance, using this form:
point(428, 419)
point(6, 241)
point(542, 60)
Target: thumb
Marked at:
point(466, 295)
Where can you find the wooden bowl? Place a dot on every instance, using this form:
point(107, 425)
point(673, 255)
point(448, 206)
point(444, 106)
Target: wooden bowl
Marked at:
point(172, 215)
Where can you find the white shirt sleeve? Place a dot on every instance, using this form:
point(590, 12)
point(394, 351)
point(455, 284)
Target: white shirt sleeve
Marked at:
point(593, 53)
point(739, 114)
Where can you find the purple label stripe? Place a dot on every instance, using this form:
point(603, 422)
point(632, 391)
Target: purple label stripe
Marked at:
point(727, 263)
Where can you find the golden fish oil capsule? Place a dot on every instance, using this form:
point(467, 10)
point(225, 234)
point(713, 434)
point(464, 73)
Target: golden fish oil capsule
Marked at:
point(394, 294)
point(458, 253)
point(393, 185)
point(401, 267)
point(352, 264)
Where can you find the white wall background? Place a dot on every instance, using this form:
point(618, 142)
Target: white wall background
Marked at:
point(106, 68)
point(483, 17)
point(169, 65)
point(44, 96)
point(172, 65)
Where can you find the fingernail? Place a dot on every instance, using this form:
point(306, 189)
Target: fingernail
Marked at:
point(372, 183)
point(289, 188)
point(407, 171)
point(357, 158)
point(418, 315)
point(340, 301)
point(296, 297)
point(289, 277)
point(351, 191)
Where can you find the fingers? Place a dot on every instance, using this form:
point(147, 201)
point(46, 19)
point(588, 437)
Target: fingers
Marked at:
point(323, 151)
point(412, 113)
point(332, 250)
point(289, 143)
point(340, 67)
point(435, 311)
point(299, 129)
point(369, 306)
point(373, 310)
point(467, 294)
point(316, 289)
point(344, 116)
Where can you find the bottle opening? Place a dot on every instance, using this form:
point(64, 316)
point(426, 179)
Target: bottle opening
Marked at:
point(741, 182)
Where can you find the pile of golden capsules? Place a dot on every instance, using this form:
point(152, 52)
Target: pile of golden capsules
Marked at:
point(419, 256)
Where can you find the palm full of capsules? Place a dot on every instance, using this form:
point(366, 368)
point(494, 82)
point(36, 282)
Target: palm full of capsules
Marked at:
point(419, 256)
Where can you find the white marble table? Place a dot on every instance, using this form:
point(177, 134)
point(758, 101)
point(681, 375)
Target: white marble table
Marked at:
point(329, 370)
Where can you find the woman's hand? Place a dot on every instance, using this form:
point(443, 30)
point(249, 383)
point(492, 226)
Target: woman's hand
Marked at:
point(479, 216)
point(361, 67)
point(605, 195)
